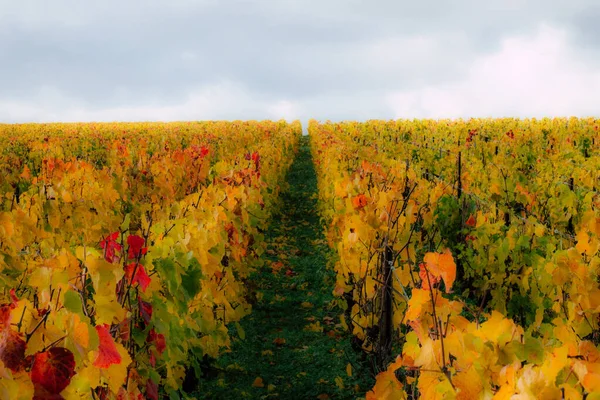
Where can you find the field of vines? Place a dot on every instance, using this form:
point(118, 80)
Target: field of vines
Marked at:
point(124, 250)
point(466, 253)
point(460, 260)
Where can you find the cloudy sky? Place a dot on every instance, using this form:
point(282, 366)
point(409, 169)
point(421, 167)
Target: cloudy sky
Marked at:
point(73, 60)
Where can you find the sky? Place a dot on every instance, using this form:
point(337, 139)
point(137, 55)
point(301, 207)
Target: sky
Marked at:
point(166, 60)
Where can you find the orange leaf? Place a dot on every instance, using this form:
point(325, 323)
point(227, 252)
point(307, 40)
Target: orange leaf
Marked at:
point(387, 386)
point(258, 383)
point(360, 201)
point(442, 265)
point(276, 266)
point(425, 279)
point(420, 299)
point(471, 221)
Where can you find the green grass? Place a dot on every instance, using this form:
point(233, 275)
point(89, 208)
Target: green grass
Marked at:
point(308, 364)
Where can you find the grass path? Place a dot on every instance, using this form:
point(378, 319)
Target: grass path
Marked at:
point(293, 342)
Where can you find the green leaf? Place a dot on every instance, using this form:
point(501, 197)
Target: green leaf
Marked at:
point(240, 331)
point(72, 302)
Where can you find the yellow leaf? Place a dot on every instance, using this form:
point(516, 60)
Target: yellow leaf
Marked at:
point(387, 386)
point(116, 374)
point(315, 327)
point(583, 245)
point(427, 357)
point(349, 369)
point(240, 331)
point(66, 196)
point(468, 384)
point(420, 298)
point(85, 379)
point(498, 329)
point(6, 225)
point(80, 335)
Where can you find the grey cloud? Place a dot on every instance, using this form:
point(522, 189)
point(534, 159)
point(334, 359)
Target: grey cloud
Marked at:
point(149, 53)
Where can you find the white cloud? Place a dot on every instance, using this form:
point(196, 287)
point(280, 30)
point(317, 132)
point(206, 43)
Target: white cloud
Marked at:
point(531, 75)
point(225, 100)
point(284, 109)
point(189, 56)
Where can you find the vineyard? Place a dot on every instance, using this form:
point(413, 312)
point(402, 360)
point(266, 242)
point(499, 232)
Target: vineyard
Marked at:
point(126, 248)
point(384, 259)
point(467, 253)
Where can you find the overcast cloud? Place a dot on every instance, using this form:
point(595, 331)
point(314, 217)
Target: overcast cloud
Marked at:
point(72, 60)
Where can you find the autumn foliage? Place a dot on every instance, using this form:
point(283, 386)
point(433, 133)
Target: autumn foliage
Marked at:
point(482, 238)
point(123, 250)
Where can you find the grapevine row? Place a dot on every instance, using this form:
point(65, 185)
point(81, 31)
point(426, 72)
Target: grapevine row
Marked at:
point(124, 249)
point(408, 219)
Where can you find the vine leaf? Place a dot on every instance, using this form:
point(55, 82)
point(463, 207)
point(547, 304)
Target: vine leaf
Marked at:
point(52, 371)
point(141, 277)
point(107, 351)
point(12, 344)
point(442, 265)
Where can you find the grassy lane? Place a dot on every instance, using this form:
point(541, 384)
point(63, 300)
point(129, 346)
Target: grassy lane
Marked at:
point(294, 347)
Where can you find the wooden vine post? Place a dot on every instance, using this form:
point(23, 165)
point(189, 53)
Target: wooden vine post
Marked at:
point(570, 226)
point(459, 186)
point(386, 328)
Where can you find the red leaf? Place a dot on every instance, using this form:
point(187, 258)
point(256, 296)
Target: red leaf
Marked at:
point(124, 330)
point(12, 345)
point(230, 230)
point(136, 246)
point(14, 298)
point(12, 349)
point(124, 394)
point(145, 310)
point(41, 394)
point(111, 247)
point(161, 344)
point(52, 371)
point(158, 339)
point(140, 277)
point(204, 151)
point(471, 221)
point(5, 311)
point(107, 351)
point(151, 390)
point(256, 159)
